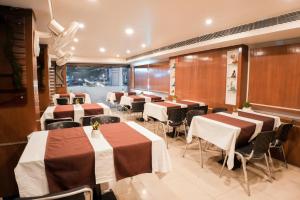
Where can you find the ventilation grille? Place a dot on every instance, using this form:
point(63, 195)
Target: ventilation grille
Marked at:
point(294, 16)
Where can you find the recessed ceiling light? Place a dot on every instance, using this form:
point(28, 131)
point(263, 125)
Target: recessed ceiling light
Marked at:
point(117, 55)
point(81, 25)
point(72, 48)
point(208, 21)
point(128, 51)
point(102, 50)
point(129, 31)
point(75, 40)
point(143, 45)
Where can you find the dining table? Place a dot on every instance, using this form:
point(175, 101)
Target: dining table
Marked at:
point(61, 159)
point(74, 111)
point(159, 110)
point(70, 96)
point(229, 131)
point(112, 97)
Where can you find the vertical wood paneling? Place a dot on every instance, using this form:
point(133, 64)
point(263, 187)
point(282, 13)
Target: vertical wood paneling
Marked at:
point(202, 76)
point(141, 77)
point(274, 76)
point(159, 77)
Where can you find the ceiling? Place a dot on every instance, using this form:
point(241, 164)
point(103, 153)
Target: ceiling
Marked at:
point(155, 22)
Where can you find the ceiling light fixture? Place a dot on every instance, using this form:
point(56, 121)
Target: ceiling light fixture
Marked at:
point(143, 45)
point(208, 21)
point(75, 40)
point(129, 31)
point(81, 25)
point(102, 50)
point(128, 51)
point(72, 48)
point(117, 55)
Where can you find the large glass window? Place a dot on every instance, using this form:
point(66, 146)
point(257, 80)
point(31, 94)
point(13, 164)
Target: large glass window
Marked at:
point(97, 80)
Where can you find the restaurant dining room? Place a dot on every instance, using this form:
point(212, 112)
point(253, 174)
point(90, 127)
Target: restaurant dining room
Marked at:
point(149, 100)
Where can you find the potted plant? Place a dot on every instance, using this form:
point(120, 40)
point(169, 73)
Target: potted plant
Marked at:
point(96, 132)
point(174, 98)
point(247, 106)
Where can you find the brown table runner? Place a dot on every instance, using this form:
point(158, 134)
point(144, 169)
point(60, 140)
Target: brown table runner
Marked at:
point(247, 128)
point(62, 111)
point(168, 105)
point(132, 150)
point(268, 122)
point(92, 109)
point(66, 95)
point(137, 98)
point(131, 93)
point(80, 95)
point(118, 96)
point(69, 159)
point(188, 103)
point(153, 97)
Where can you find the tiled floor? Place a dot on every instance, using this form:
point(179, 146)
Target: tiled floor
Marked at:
point(189, 181)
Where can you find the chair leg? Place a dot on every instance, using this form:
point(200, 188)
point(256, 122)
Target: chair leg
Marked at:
point(271, 160)
point(283, 153)
point(165, 135)
point(224, 162)
point(200, 149)
point(245, 172)
point(268, 167)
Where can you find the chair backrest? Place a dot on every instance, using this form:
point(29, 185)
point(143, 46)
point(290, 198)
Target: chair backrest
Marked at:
point(49, 121)
point(204, 108)
point(137, 106)
point(283, 131)
point(62, 124)
point(79, 99)
point(62, 101)
point(105, 119)
point(219, 109)
point(176, 115)
point(86, 120)
point(80, 193)
point(192, 113)
point(262, 143)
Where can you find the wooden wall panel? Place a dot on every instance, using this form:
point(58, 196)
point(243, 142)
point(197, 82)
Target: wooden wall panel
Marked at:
point(159, 77)
point(274, 76)
point(141, 77)
point(44, 91)
point(202, 76)
point(19, 121)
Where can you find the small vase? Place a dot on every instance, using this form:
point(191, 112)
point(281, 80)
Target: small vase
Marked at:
point(174, 100)
point(247, 109)
point(96, 133)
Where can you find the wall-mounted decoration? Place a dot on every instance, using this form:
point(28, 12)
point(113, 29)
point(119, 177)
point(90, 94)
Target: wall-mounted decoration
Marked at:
point(12, 60)
point(172, 76)
point(231, 77)
point(59, 76)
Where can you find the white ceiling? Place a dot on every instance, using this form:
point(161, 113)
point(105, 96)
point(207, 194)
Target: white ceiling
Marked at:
point(156, 22)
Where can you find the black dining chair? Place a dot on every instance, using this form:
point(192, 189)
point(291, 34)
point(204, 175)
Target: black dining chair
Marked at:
point(86, 120)
point(137, 107)
point(279, 139)
point(204, 108)
point(62, 124)
point(62, 101)
point(49, 121)
point(105, 119)
point(176, 118)
point(219, 109)
point(254, 151)
point(79, 99)
point(189, 117)
point(79, 193)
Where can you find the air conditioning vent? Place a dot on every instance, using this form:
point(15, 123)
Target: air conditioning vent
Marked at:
point(290, 17)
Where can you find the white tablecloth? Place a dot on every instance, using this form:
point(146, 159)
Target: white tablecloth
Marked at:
point(157, 111)
point(111, 97)
point(127, 100)
point(78, 113)
point(87, 98)
point(30, 172)
point(221, 134)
